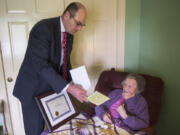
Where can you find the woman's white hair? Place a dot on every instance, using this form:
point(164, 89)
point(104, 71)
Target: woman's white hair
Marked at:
point(139, 80)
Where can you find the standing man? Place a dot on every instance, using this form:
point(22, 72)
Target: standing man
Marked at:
point(47, 63)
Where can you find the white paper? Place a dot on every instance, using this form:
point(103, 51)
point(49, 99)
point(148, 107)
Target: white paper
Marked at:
point(79, 76)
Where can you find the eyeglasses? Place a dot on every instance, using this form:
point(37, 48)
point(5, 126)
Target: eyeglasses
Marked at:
point(77, 22)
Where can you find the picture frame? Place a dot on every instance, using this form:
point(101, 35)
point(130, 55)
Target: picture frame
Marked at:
point(56, 109)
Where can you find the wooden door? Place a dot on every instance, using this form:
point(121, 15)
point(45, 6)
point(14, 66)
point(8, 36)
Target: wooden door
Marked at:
point(95, 46)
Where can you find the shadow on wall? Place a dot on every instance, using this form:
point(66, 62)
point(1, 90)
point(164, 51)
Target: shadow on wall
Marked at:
point(95, 69)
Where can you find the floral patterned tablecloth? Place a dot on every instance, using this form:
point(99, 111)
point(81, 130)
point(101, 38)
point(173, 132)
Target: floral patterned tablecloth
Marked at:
point(80, 125)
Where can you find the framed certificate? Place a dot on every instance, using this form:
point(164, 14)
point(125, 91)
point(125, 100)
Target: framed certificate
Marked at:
point(56, 109)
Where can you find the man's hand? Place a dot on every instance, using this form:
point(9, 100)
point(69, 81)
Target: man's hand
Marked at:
point(121, 110)
point(78, 92)
point(107, 118)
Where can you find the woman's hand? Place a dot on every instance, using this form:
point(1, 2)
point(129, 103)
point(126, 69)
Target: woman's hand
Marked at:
point(121, 110)
point(107, 118)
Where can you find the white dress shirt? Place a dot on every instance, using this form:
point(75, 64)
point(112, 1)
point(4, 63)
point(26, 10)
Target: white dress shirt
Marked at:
point(62, 30)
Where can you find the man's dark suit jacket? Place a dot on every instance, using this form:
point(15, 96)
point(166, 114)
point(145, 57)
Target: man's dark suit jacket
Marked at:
point(40, 71)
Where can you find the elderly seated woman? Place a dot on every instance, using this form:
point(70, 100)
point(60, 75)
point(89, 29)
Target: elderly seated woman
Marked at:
point(126, 108)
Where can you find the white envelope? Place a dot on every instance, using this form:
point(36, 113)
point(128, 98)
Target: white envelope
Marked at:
point(79, 76)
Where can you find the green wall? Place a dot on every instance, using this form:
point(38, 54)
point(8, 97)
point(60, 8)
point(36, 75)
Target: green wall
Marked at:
point(157, 52)
point(132, 34)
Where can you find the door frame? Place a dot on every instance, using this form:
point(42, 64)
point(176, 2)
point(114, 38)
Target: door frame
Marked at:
point(4, 97)
point(120, 35)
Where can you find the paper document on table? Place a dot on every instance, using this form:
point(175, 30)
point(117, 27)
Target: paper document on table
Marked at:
point(79, 76)
point(97, 98)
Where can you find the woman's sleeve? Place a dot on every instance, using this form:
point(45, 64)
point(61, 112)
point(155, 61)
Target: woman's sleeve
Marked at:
point(100, 111)
point(141, 118)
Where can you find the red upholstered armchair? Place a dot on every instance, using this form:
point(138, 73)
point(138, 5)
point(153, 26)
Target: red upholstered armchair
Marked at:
point(110, 80)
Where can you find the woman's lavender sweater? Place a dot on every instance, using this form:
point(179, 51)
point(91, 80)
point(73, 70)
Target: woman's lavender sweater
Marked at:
point(136, 108)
